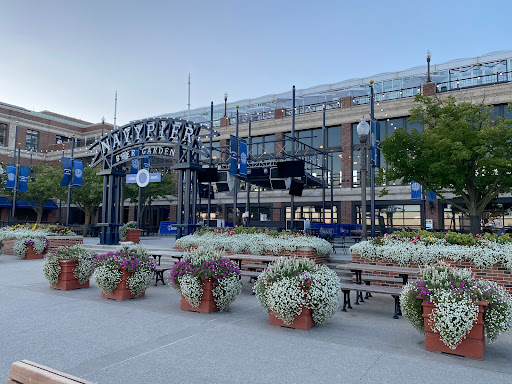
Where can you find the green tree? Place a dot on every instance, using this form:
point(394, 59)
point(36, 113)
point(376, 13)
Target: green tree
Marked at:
point(153, 191)
point(88, 197)
point(461, 152)
point(42, 186)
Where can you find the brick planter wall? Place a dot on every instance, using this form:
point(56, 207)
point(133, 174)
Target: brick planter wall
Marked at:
point(55, 242)
point(307, 252)
point(498, 273)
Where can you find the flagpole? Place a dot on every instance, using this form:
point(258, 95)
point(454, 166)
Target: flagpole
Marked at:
point(70, 180)
point(16, 175)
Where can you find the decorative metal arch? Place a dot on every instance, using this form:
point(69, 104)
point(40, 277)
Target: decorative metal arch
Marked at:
point(167, 138)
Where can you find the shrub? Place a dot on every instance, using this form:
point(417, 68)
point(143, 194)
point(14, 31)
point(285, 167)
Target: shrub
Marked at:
point(123, 231)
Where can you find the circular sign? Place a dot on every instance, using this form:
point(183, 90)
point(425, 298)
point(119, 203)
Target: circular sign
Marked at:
point(142, 178)
point(78, 173)
point(10, 176)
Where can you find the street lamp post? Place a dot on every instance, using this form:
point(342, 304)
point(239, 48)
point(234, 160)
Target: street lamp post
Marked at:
point(363, 128)
point(102, 126)
point(373, 159)
point(428, 55)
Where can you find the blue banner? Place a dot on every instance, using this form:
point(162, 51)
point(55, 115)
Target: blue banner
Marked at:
point(375, 140)
point(431, 196)
point(243, 158)
point(23, 179)
point(415, 191)
point(233, 169)
point(134, 164)
point(11, 177)
point(79, 173)
point(155, 177)
point(146, 163)
point(67, 167)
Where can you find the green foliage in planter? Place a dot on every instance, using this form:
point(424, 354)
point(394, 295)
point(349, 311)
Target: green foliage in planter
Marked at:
point(454, 293)
point(201, 264)
point(288, 284)
point(82, 272)
point(134, 259)
point(123, 231)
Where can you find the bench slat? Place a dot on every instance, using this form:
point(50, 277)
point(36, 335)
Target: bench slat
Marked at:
point(26, 371)
point(371, 288)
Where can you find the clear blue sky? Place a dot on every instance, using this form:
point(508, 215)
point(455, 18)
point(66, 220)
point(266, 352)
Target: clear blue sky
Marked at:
point(71, 56)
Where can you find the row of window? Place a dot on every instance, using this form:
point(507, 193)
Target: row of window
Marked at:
point(31, 138)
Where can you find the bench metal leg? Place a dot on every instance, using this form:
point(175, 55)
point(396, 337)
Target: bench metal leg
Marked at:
point(346, 300)
point(368, 294)
point(398, 310)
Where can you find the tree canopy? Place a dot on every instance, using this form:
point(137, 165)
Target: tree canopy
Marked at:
point(89, 197)
point(460, 152)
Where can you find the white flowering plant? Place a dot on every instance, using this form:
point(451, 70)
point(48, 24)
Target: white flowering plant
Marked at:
point(257, 243)
point(201, 264)
point(134, 259)
point(426, 248)
point(123, 230)
point(454, 293)
point(289, 284)
point(82, 272)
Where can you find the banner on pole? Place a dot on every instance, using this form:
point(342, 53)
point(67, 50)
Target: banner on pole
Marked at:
point(233, 169)
point(431, 196)
point(11, 177)
point(23, 179)
point(134, 164)
point(415, 191)
point(375, 139)
point(78, 173)
point(243, 158)
point(146, 163)
point(67, 171)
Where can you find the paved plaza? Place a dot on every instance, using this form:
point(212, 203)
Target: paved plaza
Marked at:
point(149, 340)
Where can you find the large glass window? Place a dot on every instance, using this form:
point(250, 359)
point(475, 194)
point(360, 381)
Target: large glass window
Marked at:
point(3, 134)
point(334, 137)
point(32, 140)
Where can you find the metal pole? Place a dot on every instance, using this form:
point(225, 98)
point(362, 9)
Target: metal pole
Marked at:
point(115, 112)
point(15, 141)
point(70, 181)
point(16, 176)
point(292, 199)
point(247, 184)
point(211, 164)
point(363, 139)
point(324, 144)
point(235, 196)
point(372, 161)
point(139, 209)
point(188, 113)
point(332, 189)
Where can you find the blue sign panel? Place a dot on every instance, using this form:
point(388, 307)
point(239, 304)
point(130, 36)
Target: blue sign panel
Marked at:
point(23, 179)
point(375, 139)
point(415, 191)
point(431, 196)
point(233, 169)
point(146, 163)
point(78, 173)
point(134, 164)
point(168, 227)
point(11, 177)
point(243, 158)
point(67, 168)
point(155, 177)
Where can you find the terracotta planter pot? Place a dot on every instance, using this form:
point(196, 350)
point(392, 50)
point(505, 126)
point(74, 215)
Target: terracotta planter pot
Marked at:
point(133, 235)
point(67, 280)
point(122, 292)
point(304, 321)
point(472, 346)
point(31, 253)
point(207, 303)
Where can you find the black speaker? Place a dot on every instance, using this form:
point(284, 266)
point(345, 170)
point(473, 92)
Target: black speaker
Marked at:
point(222, 187)
point(296, 188)
point(208, 175)
point(222, 176)
point(294, 168)
point(203, 191)
point(278, 183)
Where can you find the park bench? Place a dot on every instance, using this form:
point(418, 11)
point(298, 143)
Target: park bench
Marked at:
point(24, 372)
point(347, 287)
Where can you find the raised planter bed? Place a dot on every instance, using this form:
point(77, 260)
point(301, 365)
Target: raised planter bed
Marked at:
point(122, 291)
point(54, 243)
point(67, 280)
point(303, 322)
point(207, 302)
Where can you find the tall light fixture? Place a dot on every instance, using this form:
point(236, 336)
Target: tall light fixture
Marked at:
point(363, 128)
point(428, 55)
point(225, 104)
point(373, 157)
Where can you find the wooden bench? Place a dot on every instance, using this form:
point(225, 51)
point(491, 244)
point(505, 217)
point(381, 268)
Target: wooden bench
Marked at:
point(24, 372)
point(159, 273)
point(347, 287)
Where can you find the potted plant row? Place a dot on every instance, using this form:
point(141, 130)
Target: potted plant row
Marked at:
point(207, 281)
point(69, 268)
point(457, 312)
point(124, 274)
point(298, 293)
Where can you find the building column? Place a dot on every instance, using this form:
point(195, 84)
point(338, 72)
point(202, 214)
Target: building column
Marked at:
point(345, 216)
point(279, 113)
point(280, 143)
point(224, 122)
point(346, 157)
point(277, 211)
point(429, 89)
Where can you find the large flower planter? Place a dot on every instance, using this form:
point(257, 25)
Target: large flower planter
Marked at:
point(122, 291)
point(133, 235)
point(67, 280)
point(31, 253)
point(207, 302)
point(304, 321)
point(472, 346)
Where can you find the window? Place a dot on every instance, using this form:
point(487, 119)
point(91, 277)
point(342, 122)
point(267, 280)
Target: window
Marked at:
point(334, 137)
point(62, 139)
point(3, 134)
point(32, 140)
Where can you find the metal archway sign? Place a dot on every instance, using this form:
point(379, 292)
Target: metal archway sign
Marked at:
point(168, 138)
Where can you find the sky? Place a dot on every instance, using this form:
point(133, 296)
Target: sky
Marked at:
point(71, 56)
